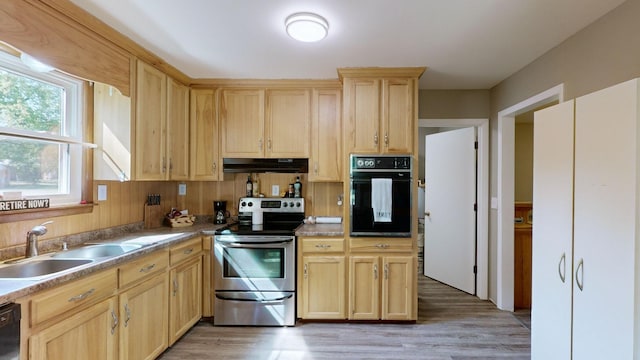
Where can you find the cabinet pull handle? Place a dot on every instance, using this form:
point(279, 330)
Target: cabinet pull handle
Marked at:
point(114, 324)
point(82, 296)
point(386, 139)
point(562, 267)
point(170, 165)
point(127, 313)
point(175, 286)
point(148, 268)
point(214, 166)
point(386, 271)
point(323, 246)
point(269, 144)
point(260, 145)
point(382, 246)
point(305, 271)
point(375, 138)
point(164, 165)
point(580, 269)
point(188, 251)
point(315, 167)
point(375, 271)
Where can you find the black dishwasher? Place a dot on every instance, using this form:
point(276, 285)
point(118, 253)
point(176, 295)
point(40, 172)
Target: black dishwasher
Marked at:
point(10, 332)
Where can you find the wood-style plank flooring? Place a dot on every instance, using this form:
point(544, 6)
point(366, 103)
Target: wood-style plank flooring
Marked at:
point(451, 325)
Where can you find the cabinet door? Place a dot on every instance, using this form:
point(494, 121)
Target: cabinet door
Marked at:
point(397, 287)
point(177, 130)
point(552, 234)
point(205, 161)
point(150, 129)
point(326, 136)
point(112, 134)
point(144, 317)
point(242, 123)
point(364, 288)
point(605, 224)
point(90, 334)
point(185, 300)
point(362, 115)
point(323, 287)
point(398, 126)
point(288, 123)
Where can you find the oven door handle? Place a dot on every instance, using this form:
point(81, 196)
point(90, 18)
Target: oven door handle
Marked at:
point(265, 301)
point(242, 243)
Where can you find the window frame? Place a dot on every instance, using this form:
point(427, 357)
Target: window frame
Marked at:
point(78, 107)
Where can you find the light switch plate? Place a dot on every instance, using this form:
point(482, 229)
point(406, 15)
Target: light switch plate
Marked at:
point(102, 192)
point(182, 189)
point(275, 190)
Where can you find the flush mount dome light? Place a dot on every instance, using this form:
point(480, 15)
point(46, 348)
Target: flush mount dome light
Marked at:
point(306, 27)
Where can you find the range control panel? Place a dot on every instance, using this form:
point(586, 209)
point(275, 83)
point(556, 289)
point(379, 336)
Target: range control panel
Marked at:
point(291, 205)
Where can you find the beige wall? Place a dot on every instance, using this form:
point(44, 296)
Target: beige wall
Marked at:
point(453, 104)
point(605, 53)
point(523, 158)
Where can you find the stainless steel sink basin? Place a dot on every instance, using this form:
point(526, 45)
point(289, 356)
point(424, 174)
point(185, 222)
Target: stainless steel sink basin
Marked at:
point(96, 251)
point(38, 268)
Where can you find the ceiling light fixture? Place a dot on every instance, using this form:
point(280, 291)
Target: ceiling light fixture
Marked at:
point(34, 64)
point(306, 27)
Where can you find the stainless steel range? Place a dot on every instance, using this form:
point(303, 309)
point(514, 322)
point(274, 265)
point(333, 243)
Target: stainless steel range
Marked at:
point(254, 266)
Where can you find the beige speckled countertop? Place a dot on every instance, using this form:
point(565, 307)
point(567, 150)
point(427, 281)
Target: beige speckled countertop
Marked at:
point(12, 289)
point(320, 230)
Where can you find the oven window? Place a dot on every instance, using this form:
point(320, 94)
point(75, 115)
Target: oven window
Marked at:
point(256, 263)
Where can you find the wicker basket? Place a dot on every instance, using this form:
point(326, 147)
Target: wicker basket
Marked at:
point(181, 221)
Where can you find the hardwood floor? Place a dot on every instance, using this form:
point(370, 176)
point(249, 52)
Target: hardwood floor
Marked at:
point(451, 325)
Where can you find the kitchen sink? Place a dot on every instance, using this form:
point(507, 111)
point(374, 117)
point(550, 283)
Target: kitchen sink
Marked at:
point(96, 251)
point(38, 268)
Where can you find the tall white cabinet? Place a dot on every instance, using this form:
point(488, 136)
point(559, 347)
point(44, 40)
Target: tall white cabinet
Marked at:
point(586, 289)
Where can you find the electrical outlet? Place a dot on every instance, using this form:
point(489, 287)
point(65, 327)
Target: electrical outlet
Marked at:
point(102, 192)
point(275, 190)
point(182, 189)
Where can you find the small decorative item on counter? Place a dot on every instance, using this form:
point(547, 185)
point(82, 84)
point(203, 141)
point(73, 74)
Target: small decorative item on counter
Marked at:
point(297, 186)
point(177, 218)
point(249, 192)
point(291, 193)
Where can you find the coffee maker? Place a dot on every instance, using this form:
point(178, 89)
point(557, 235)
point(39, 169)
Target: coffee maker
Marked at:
point(220, 213)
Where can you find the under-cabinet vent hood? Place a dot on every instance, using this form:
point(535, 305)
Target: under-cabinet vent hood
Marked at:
point(239, 165)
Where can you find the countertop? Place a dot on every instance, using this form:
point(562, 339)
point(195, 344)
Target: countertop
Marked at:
point(159, 238)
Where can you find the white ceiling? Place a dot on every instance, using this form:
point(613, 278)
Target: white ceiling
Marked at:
point(466, 44)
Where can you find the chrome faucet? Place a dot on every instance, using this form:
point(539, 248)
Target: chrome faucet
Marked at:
point(32, 239)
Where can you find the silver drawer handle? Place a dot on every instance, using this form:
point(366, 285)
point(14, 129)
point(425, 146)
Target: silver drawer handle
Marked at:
point(580, 275)
point(562, 267)
point(188, 251)
point(382, 246)
point(82, 296)
point(148, 268)
point(323, 246)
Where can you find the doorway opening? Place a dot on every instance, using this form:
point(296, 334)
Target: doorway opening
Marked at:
point(506, 190)
point(482, 130)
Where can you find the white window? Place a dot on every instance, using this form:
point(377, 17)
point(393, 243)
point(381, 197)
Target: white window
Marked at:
point(40, 133)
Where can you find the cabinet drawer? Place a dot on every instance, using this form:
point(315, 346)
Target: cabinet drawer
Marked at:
point(322, 245)
point(384, 244)
point(143, 267)
point(88, 290)
point(185, 250)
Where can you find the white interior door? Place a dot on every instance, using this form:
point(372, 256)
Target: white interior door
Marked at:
point(450, 220)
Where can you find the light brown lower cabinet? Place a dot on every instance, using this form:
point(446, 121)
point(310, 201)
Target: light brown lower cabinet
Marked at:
point(381, 287)
point(323, 289)
point(185, 300)
point(89, 334)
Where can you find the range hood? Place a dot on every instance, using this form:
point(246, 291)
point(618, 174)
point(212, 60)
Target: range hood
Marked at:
point(239, 165)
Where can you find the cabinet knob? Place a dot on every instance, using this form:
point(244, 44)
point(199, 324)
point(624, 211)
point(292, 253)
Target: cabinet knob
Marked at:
point(375, 138)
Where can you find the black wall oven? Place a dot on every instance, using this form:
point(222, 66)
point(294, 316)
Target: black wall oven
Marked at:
point(380, 195)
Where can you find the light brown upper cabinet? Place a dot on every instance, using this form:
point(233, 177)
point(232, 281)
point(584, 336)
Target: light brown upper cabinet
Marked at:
point(380, 109)
point(205, 154)
point(325, 162)
point(160, 155)
point(259, 123)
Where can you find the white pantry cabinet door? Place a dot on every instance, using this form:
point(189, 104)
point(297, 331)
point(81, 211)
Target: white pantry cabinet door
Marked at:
point(552, 232)
point(605, 236)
